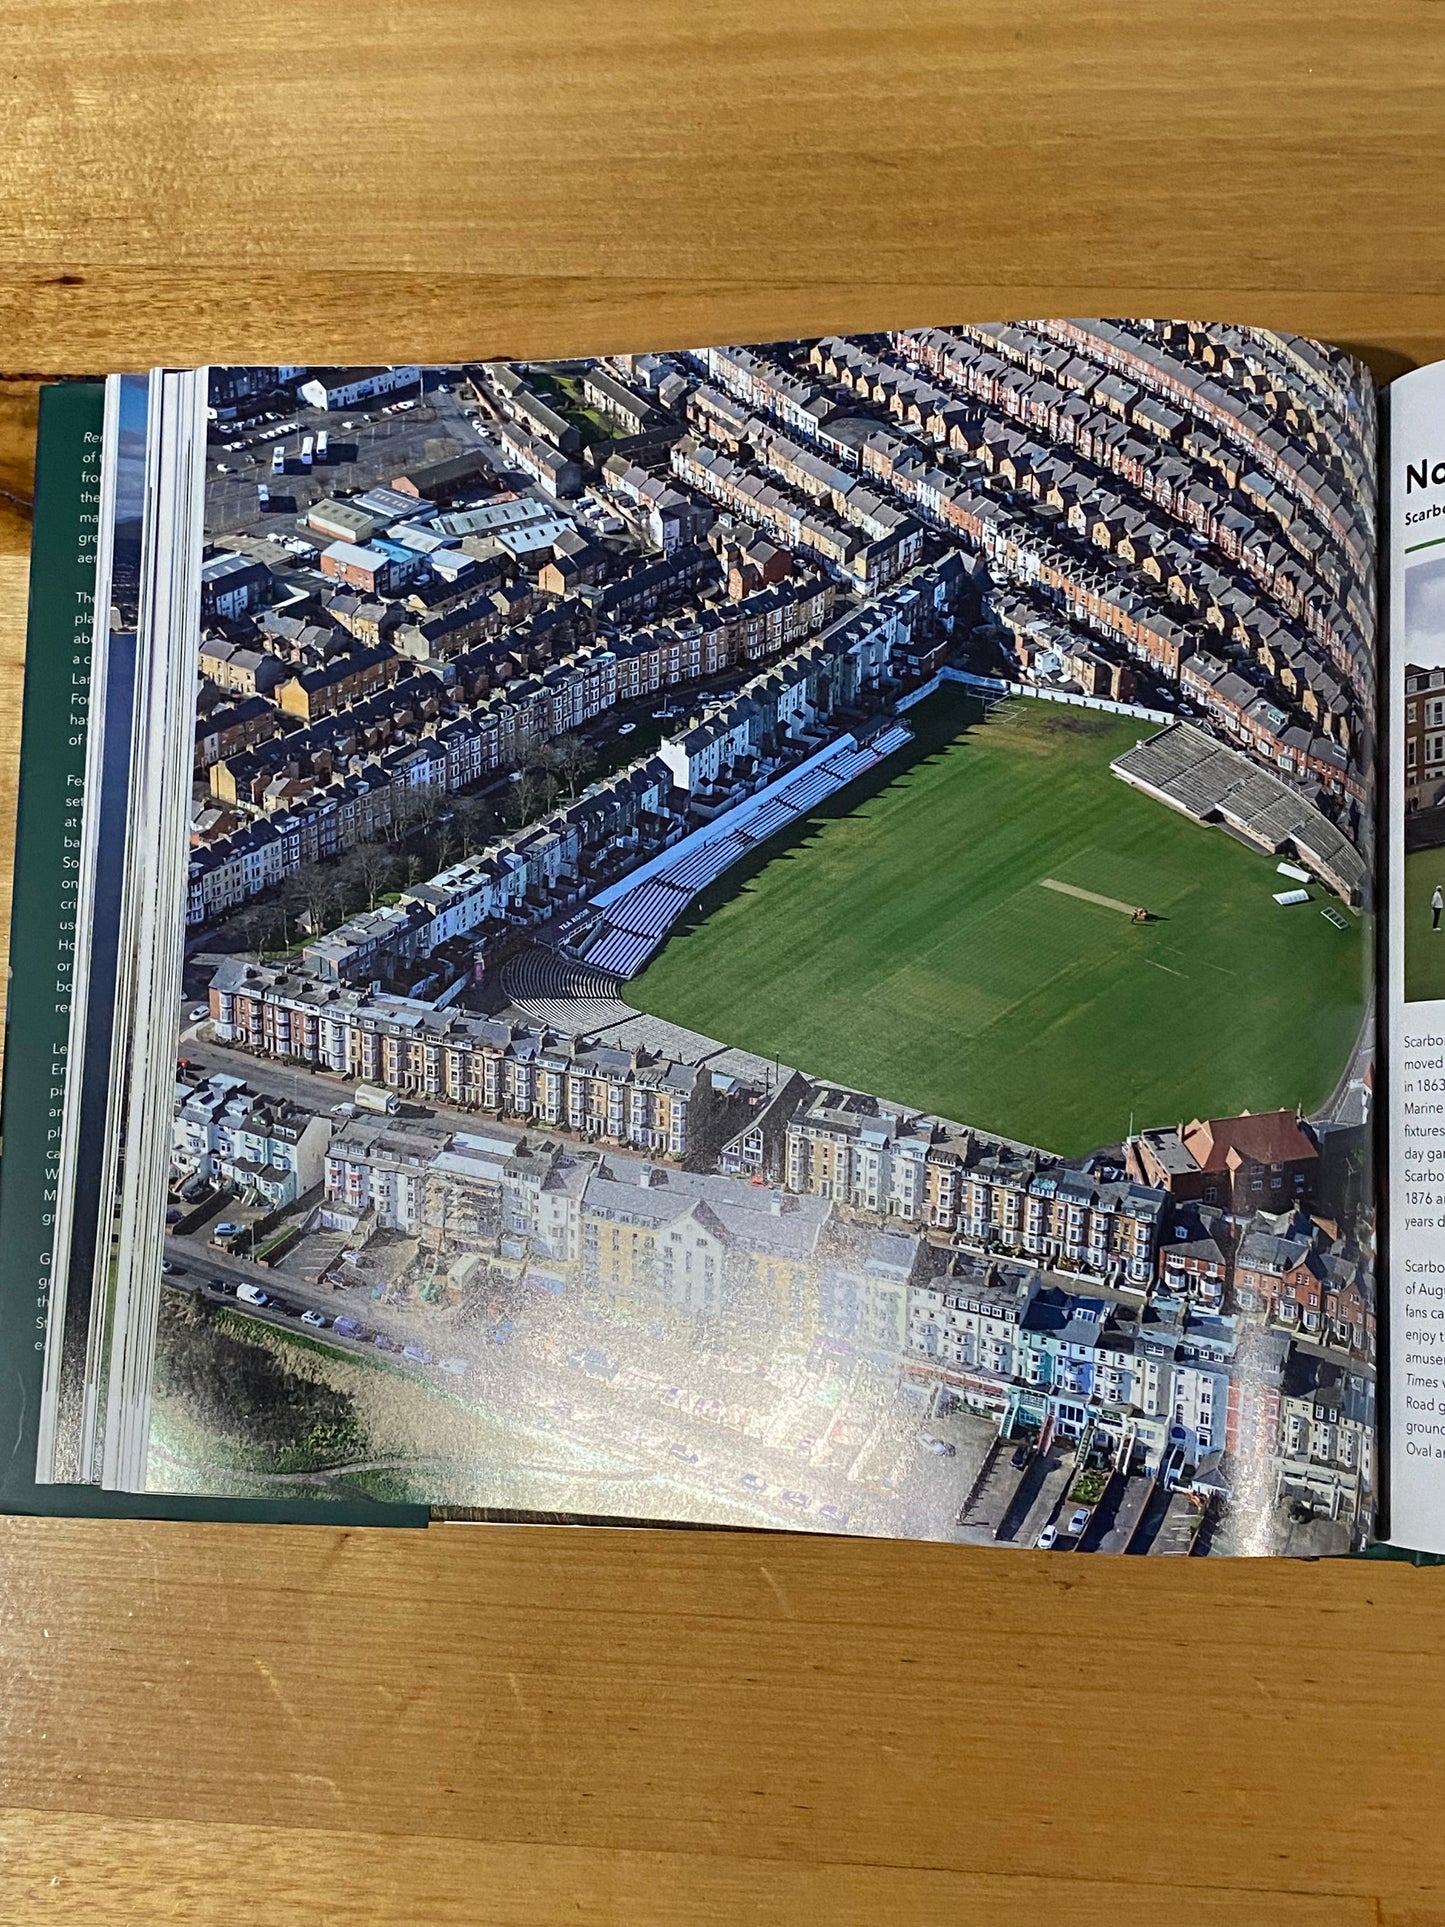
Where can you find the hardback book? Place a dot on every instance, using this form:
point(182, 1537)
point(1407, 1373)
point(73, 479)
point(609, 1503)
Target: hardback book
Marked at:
point(786, 937)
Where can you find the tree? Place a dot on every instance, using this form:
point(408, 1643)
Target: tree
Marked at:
point(270, 923)
point(530, 794)
point(373, 864)
point(476, 822)
point(572, 758)
point(414, 810)
point(446, 846)
point(319, 899)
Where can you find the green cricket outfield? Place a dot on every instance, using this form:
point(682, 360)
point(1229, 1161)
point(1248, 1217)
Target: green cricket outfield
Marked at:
point(951, 932)
point(1424, 945)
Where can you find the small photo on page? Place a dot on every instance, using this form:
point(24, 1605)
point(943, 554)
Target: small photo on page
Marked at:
point(1424, 786)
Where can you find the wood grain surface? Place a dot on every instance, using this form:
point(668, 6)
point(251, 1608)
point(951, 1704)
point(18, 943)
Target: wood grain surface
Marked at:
point(518, 1727)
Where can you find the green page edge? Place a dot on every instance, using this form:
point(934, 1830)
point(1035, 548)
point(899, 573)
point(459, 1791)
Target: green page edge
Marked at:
point(68, 412)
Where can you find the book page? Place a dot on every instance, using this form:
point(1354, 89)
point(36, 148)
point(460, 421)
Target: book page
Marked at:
point(781, 936)
point(1415, 962)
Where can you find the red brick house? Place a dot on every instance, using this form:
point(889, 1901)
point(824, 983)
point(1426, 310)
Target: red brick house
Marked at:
point(1259, 1161)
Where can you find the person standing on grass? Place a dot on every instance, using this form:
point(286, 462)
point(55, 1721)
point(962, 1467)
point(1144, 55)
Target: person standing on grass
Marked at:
point(1437, 904)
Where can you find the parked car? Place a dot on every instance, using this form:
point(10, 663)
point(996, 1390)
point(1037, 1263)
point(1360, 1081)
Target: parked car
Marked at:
point(199, 1014)
point(940, 1448)
point(417, 1354)
point(799, 1500)
point(252, 1295)
point(1020, 1458)
point(1078, 1519)
point(343, 1110)
point(348, 1327)
point(1046, 1538)
point(228, 1230)
point(316, 1318)
point(385, 1344)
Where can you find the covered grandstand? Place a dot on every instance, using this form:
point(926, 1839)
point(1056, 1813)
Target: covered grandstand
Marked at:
point(636, 922)
point(1189, 770)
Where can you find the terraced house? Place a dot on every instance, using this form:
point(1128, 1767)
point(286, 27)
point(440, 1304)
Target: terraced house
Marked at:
point(976, 1191)
point(484, 1064)
point(1006, 1342)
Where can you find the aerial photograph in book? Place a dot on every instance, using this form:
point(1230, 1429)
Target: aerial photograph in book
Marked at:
point(781, 936)
point(1424, 779)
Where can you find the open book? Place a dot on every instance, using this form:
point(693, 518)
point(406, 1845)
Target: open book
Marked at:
point(772, 937)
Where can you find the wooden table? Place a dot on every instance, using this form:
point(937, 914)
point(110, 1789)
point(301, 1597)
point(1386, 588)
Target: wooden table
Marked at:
point(521, 1727)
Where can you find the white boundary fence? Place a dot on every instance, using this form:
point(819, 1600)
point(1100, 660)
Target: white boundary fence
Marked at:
point(1074, 699)
point(999, 686)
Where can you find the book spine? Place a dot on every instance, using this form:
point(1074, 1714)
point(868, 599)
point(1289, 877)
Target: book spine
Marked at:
point(42, 951)
point(44, 899)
